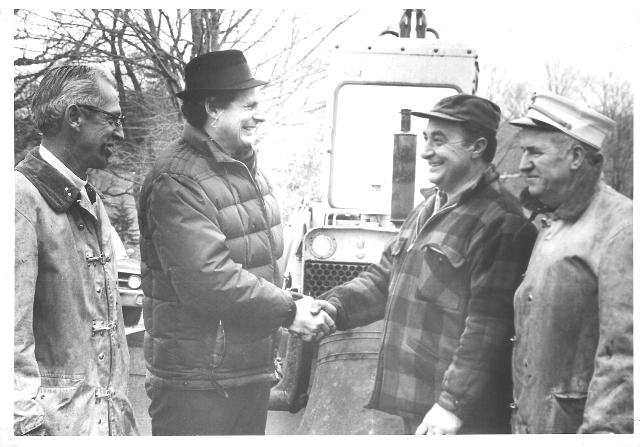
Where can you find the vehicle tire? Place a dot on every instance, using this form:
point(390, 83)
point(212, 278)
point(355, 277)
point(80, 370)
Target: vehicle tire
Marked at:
point(131, 315)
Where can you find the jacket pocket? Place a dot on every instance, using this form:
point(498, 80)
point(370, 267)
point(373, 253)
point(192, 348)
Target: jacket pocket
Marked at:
point(238, 353)
point(56, 392)
point(442, 278)
point(425, 362)
point(64, 407)
point(566, 412)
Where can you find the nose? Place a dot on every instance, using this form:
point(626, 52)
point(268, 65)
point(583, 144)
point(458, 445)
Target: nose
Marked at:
point(258, 117)
point(427, 151)
point(525, 163)
point(118, 133)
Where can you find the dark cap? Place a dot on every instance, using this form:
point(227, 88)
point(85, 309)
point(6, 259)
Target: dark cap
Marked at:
point(215, 71)
point(465, 108)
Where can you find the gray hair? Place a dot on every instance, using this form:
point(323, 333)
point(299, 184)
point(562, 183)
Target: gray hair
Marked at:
point(592, 155)
point(62, 86)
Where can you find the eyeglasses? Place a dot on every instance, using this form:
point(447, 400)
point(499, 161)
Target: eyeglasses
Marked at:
point(112, 118)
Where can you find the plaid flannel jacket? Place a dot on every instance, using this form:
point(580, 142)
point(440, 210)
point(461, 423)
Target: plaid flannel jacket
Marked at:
point(445, 288)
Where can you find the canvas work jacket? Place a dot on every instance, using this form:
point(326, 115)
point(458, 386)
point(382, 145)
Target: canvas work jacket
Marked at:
point(573, 356)
point(211, 251)
point(445, 288)
point(70, 351)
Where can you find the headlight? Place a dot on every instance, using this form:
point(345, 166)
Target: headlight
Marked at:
point(322, 246)
point(134, 281)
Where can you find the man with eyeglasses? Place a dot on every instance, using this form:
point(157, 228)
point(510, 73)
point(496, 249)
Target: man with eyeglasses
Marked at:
point(445, 284)
point(70, 351)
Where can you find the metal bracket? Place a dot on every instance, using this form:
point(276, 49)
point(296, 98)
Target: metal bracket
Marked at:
point(100, 326)
point(102, 259)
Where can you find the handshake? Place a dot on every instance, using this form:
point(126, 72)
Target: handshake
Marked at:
point(314, 319)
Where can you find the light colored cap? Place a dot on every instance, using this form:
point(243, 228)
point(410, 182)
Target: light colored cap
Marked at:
point(577, 121)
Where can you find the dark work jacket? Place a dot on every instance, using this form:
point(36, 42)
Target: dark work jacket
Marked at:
point(211, 247)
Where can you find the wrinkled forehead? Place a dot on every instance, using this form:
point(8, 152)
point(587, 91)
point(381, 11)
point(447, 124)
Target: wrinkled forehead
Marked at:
point(441, 126)
point(109, 95)
point(536, 136)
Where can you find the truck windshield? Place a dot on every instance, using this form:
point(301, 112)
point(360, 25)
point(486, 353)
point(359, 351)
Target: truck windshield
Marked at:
point(366, 117)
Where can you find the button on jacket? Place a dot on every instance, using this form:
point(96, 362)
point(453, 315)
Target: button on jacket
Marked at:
point(70, 351)
point(573, 357)
point(445, 287)
point(211, 248)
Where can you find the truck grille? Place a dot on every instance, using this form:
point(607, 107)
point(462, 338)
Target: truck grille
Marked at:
point(320, 276)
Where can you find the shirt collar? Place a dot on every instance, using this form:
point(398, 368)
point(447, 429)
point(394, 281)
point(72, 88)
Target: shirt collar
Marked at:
point(488, 176)
point(582, 190)
point(67, 173)
point(61, 168)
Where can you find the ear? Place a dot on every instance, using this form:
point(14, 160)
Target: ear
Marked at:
point(211, 110)
point(577, 156)
point(478, 148)
point(73, 117)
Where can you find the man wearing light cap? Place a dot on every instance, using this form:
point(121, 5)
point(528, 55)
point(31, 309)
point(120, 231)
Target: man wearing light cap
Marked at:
point(573, 353)
point(445, 284)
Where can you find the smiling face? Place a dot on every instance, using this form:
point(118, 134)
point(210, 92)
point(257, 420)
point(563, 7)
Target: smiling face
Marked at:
point(546, 164)
point(448, 155)
point(98, 134)
point(234, 127)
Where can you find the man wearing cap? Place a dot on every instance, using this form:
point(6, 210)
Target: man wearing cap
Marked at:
point(445, 284)
point(573, 354)
point(211, 251)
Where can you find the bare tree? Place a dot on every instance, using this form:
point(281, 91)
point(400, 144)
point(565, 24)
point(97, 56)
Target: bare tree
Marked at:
point(615, 100)
point(511, 95)
point(147, 50)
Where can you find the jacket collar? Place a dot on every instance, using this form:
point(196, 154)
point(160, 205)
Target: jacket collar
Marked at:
point(488, 176)
point(58, 191)
point(203, 143)
point(582, 190)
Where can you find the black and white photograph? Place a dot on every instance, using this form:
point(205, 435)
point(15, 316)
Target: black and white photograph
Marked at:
point(322, 219)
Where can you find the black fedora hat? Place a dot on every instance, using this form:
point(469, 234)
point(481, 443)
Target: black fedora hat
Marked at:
point(216, 71)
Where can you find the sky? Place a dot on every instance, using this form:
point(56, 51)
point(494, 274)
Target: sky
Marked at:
point(593, 36)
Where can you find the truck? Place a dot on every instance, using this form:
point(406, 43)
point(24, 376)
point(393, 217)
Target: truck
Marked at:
point(374, 180)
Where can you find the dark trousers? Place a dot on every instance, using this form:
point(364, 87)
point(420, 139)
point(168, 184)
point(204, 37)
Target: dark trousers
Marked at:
point(209, 412)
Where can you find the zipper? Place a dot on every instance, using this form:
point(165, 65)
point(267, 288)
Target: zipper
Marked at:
point(263, 205)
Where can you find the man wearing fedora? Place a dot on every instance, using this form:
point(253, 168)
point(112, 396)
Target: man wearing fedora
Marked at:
point(573, 353)
point(445, 284)
point(211, 251)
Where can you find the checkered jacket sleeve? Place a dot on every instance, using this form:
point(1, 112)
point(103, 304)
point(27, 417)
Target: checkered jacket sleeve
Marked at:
point(367, 295)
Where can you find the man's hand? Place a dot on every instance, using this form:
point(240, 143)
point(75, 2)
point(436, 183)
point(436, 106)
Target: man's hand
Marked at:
point(311, 326)
point(40, 430)
point(322, 306)
point(439, 421)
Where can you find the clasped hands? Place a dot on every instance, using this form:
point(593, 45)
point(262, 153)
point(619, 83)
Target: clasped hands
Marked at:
point(314, 319)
